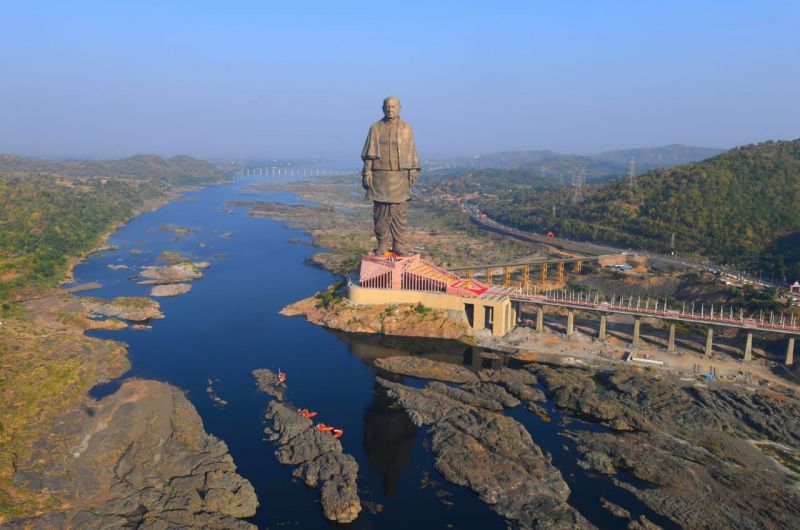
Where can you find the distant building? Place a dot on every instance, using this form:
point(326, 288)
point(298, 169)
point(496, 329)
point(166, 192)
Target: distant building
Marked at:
point(795, 288)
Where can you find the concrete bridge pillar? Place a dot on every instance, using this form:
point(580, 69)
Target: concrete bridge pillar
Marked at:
point(636, 324)
point(560, 271)
point(570, 322)
point(790, 352)
point(748, 348)
point(602, 334)
point(671, 340)
point(543, 272)
point(709, 342)
point(539, 319)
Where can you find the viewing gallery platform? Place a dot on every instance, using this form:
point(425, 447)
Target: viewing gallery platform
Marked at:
point(412, 280)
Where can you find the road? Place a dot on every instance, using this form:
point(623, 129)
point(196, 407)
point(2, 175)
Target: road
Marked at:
point(656, 260)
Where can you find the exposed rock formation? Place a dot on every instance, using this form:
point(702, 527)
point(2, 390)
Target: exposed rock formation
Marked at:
point(490, 453)
point(132, 308)
point(175, 273)
point(575, 390)
point(688, 444)
point(173, 289)
point(140, 459)
point(398, 320)
point(318, 454)
point(427, 369)
point(268, 383)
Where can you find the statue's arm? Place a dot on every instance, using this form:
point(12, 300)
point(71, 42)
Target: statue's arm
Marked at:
point(366, 174)
point(413, 175)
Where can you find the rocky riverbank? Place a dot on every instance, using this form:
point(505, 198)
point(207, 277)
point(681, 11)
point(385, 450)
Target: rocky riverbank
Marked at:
point(697, 455)
point(317, 454)
point(331, 310)
point(479, 447)
point(136, 458)
point(695, 446)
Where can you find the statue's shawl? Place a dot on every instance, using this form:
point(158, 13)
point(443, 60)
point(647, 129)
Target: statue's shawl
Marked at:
point(405, 144)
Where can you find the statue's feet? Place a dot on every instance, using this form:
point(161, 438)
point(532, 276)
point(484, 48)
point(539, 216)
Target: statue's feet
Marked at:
point(402, 252)
point(381, 251)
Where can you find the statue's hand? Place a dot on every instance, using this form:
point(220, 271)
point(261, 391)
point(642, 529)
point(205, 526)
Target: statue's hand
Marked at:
point(366, 181)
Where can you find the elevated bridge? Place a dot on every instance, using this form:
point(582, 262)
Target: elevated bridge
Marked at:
point(634, 307)
point(523, 268)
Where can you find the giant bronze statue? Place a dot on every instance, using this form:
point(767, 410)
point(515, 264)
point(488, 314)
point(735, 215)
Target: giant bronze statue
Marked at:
point(391, 167)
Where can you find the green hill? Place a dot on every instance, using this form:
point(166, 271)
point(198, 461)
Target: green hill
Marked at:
point(742, 206)
point(51, 211)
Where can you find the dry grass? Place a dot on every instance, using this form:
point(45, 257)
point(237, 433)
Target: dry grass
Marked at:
point(42, 373)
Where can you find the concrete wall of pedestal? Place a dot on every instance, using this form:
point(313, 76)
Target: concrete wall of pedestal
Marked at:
point(504, 316)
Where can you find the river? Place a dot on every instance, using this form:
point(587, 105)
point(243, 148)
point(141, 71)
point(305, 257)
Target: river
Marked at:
point(228, 325)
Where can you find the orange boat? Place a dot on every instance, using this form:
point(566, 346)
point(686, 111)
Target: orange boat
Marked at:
point(323, 428)
point(281, 377)
point(338, 433)
point(307, 413)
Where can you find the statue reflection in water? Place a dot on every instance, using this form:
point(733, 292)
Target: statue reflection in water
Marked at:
point(388, 436)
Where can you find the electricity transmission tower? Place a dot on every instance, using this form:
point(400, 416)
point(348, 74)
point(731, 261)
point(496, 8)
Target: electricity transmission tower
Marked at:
point(578, 180)
point(632, 173)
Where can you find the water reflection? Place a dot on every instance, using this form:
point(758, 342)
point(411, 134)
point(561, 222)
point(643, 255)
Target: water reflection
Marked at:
point(388, 436)
point(371, 347)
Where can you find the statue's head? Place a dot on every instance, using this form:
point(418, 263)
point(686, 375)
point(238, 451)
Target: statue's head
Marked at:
point(391, 108)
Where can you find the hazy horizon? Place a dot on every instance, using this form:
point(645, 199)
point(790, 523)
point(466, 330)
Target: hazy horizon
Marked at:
point(256, 80)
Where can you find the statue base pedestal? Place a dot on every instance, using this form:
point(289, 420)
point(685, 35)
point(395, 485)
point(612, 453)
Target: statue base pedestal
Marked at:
point(387, 280)
point(413, 273)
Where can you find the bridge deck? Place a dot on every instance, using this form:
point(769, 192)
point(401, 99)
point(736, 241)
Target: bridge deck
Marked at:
point(519, 295)
point(522, 263)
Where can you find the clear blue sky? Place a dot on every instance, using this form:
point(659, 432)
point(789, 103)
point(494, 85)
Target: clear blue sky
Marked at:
point(297, 78)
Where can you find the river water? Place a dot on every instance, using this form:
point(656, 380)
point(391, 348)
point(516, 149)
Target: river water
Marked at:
point(228, 325)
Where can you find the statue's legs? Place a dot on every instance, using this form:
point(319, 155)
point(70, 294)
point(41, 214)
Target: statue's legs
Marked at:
point(381, 216)
point(391, 220)
point(397, 227)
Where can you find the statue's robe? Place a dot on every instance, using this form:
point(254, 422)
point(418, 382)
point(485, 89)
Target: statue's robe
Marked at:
point(395, 162)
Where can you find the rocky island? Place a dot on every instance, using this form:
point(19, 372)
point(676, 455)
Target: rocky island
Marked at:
point(317, 453)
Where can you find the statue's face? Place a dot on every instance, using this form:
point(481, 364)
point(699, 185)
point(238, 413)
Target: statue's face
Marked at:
point(391, 109)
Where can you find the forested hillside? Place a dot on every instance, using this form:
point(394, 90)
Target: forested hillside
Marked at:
point(742, 206)
point(51, 211)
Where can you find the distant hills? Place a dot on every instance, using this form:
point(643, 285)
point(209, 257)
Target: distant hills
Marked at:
point(657, 157)
point(742, 206)
point(175, 170)
point(560, 167)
